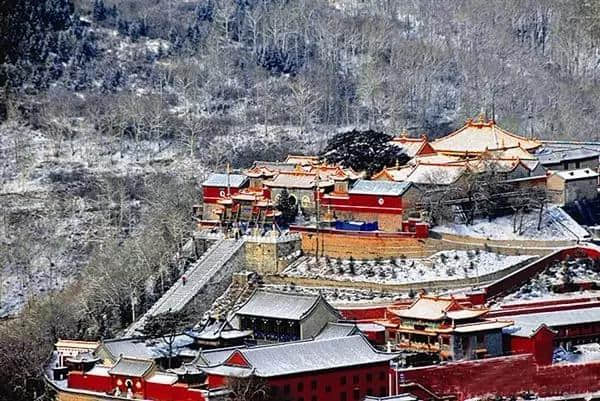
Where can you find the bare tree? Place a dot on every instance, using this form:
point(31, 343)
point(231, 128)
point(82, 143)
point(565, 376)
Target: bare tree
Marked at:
point(250, 388)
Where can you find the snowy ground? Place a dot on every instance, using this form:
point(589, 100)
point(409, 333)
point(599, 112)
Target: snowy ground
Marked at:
point(541, 286)
point(556, 225)
point(446, 265)
point(579, 354)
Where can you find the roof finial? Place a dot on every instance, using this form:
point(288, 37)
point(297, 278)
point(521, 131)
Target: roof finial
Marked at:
point(481, 118)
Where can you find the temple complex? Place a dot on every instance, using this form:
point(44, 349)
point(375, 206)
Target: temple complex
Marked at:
point(444, 327)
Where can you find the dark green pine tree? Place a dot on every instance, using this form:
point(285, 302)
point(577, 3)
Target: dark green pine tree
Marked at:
point(368, 151)
point(288, 207)
point(99, 11)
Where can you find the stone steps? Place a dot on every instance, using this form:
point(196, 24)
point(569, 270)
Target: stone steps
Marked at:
point(197, 276)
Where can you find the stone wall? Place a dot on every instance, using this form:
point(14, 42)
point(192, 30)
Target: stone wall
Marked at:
point(387, 287)
point(217, 284)
point(442, 241)
point(270, 255)
point(386, 246)
point(362, 247)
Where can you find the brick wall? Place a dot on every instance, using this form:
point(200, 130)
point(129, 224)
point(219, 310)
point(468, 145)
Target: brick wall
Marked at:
point(270, 257)
point(506, 376)
point(362, 247)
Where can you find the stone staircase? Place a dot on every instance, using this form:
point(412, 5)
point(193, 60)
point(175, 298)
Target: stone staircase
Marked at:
point(197, 277)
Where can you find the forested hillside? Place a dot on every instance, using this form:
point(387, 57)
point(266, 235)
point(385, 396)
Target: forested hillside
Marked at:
point(111, 111)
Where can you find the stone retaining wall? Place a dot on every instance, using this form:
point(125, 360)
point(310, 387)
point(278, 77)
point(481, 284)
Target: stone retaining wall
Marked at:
point(388, 287)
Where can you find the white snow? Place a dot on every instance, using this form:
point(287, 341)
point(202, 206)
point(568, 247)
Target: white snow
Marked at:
point(544, 284)
point(445, 265)
point(556, 225)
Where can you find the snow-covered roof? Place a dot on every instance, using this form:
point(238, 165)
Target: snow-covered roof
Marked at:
point(220, 180)
point(301, 159)
point(335, 330)
point(99, 370)
point(216, 356)
point(77, 344)
point(305, 356)
point(479, 326)
point(435, 158)
point(550, 156)
point(516, 152)
point(274, 166)
point(480, 136)
point(582, 173)
point(162, 378)
point(438, 174)
point(526, 323)
point(411, 146)
point(296, 180)
point(387, 188)
point(128, 347)
point(279, 305)
point(216, 329)
point(131, 367)
point(433, 308)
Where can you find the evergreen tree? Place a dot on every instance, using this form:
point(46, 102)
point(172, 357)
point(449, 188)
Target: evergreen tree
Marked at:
point(368, 151)
point(99, 12)
point(288, 207)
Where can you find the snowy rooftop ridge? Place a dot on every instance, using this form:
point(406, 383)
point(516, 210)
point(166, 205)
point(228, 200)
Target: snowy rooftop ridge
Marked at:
point(220, 180)
point(279, 305)
point(571, 175)
point(304, 356)
point(387, 188)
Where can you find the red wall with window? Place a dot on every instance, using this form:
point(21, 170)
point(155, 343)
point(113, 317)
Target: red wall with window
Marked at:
point(348, 384)
point(365, 203)
point(212, 194)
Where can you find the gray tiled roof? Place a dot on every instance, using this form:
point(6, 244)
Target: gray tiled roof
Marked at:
point(279, 305)
point(275, 166)
point(308, 356)
point(216, 356)
point(336, 330)
point(390, 188)
point(128, 347)
point(220, 180)
point(553, 156)
point(131, 367)
point(525, 325)
point(216, 329)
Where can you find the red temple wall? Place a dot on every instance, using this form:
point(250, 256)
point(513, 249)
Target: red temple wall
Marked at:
point(79, 380)
point(212, 194)
point(506, 376)
point(330, 385)
point(365, 314)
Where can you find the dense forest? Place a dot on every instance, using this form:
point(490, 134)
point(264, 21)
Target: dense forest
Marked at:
point(111, 111)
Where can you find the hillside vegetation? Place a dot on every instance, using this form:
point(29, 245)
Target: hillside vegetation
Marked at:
point(111, 111)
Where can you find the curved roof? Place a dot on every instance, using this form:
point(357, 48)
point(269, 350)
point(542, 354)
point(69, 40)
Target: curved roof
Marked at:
point(434, 308)
point(220, 180)
point(388, 188)
point(279, 305)
point(480, 136)
point(303, 356)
